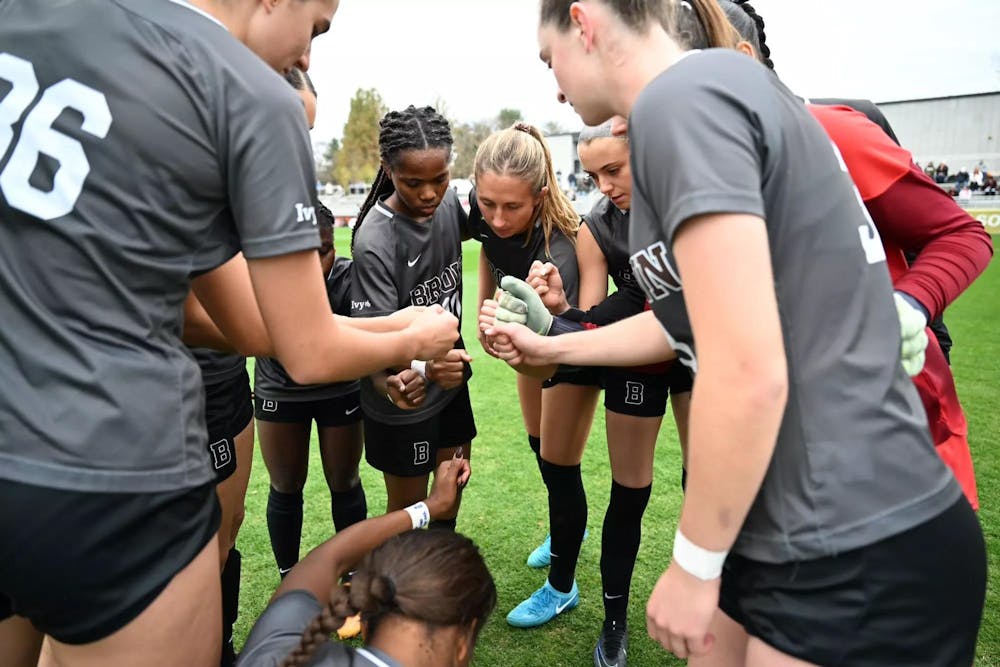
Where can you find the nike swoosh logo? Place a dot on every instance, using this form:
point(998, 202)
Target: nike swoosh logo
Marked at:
point(352, 410)
point(415, 260)
point(611, 597)
point(561, 607)
point(284, 570)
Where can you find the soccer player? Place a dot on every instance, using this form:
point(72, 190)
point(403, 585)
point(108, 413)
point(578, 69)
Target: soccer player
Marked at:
point(285, 411)
point(915, 219)
point(144, 143)
point(407, 249)
point(815, 498)
point(521, 216)
point(634, 398)
point(424, 595)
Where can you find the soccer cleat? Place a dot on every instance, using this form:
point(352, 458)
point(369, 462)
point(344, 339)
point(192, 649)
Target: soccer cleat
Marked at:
point(544, 604)
point(542, 555)
point(612, 646)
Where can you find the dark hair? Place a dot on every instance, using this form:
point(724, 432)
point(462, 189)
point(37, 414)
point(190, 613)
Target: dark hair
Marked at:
point(409, 129)
point(750, 25)
point(687, 21)
point(300, 80)
point(436, 577)
point(325, 223)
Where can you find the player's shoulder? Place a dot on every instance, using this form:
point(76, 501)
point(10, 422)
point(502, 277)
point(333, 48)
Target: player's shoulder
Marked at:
point(376, 233)
point(600, 214)
point(209, 50)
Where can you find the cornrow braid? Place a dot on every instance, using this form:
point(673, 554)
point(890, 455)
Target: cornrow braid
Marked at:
point(751, 30)
point(410, 129)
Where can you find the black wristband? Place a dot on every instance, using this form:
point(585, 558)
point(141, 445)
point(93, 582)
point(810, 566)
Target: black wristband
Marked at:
point(560, 325)
point(573, 315)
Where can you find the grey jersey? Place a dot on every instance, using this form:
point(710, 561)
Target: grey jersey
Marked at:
point(399, 262)
point(270, 377)
point(279, 630)
point(218, 366)
point(609, 226)
point(854, 463)
point(140, 131)
point(514, 255)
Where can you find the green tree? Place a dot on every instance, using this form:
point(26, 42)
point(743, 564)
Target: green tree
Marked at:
point(326, 166)
point(551, 128)
point(467, 137)
point(508, 117)
point(358, 157)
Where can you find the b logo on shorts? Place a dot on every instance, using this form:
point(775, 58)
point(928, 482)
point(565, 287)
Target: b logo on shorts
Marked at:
point(421, 453)
point(269, 406)
point(633, 392)
point(222, 453)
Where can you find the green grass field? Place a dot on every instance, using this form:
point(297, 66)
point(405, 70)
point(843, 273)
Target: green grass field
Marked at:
point(504, 508)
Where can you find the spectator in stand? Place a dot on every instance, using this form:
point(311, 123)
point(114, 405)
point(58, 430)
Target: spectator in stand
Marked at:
point(941, 173)
point(977, 179)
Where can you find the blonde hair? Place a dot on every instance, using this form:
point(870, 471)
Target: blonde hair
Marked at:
point(521, 151)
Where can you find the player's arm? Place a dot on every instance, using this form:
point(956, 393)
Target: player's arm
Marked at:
point(308, 340)
point(593, 266)
point(487, 287)
point(319, 571)
point(742, 372)
point(222, 312)
point(953, 247)
point(613, 345)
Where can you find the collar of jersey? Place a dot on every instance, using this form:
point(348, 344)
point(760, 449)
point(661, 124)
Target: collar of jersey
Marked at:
point(197, 10)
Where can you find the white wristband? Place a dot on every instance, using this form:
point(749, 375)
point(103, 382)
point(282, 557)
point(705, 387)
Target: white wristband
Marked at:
point(696, 561)
point(420, 516)
point(419, 367)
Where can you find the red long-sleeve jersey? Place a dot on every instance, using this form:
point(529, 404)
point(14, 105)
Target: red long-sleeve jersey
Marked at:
point(913, 214)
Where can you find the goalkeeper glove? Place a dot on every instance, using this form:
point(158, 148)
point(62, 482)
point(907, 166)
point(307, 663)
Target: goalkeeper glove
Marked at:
point(912, 325)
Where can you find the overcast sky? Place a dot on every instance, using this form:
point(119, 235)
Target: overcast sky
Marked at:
point(482, 55)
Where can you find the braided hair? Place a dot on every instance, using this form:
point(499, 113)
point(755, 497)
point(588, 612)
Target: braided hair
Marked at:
point(436, 577)
point(410, 129)
point(750, 25)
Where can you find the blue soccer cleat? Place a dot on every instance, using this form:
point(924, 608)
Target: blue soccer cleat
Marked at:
point(542, 555)
point(544, 604)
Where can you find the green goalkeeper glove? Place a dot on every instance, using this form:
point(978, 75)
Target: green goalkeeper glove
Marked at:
point(912, 325)
point(518, 302)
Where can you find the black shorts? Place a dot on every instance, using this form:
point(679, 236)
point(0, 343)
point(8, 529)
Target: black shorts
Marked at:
point(584, 377)
point(912, 599)
point(337, 411)
point(228, 410)
point(628, 391)
point(86, 564)
point(410, 450)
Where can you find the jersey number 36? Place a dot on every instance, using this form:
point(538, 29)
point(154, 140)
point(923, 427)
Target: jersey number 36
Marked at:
point(38, 137)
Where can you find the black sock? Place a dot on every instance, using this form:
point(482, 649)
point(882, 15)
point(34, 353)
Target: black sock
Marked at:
point(567, 521)
point(284, 525)
point(348, 507)
point(619, 547)
point(443, 524)
point(684, 479)
point(230, 604)
point(536, 446)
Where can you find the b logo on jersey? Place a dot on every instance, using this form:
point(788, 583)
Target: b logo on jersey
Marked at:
point(267, 405)
point(222, 453)
point(654, 273)
point(633, 392)
point(305, 213)
point(421, 452)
